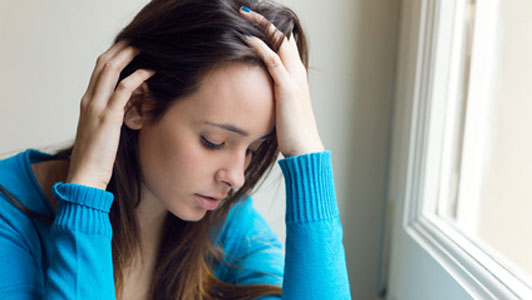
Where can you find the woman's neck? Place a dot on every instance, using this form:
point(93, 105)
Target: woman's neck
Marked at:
point(150, 215)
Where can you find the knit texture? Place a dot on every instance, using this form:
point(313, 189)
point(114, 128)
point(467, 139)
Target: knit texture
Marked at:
point(71, 258)
point(82, 209)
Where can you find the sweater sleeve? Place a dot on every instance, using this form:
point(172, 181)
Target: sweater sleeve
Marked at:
point(79, 252)
point(314, 265)
point(82, 267)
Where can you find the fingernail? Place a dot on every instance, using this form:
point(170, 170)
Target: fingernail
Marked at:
point(244, 8)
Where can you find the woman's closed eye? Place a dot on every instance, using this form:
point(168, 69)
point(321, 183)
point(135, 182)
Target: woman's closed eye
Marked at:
point(211, 145)
point(215, 146)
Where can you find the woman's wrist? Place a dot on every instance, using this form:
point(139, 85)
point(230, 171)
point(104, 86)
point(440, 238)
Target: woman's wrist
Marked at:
point(311, 147)
point(310, 192)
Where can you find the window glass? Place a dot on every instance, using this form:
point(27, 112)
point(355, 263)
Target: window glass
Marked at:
point(492, 195)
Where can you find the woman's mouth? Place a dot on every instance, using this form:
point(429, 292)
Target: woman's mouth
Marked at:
point(208, 203)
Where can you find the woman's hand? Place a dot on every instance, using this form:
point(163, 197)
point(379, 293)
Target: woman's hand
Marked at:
point(101, 117)
point(297, 132)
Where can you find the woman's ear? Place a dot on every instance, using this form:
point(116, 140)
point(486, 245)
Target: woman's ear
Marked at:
point(136, 110)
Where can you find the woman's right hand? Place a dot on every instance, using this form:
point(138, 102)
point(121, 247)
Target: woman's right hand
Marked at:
point(101, 117)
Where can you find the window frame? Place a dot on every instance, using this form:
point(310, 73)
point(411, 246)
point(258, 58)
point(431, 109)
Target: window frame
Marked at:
point(470, 263)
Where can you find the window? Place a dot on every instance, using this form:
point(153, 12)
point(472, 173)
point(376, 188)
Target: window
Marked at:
point(485, 186)
point(464, 208)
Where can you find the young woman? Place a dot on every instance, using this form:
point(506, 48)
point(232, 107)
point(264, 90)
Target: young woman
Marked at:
point(181, 118)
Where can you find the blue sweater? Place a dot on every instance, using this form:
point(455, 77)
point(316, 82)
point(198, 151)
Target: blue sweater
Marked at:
point(72, 259)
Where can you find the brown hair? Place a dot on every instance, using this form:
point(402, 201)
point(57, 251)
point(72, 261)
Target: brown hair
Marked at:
point(182, 41)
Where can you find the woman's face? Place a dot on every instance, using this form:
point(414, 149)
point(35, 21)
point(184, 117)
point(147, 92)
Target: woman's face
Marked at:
point(203, 143)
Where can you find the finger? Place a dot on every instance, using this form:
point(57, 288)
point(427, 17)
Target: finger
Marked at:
point(102, 59)
point(109, 75)
point(287, 50)
point(260, 20)
point(126, 87)
point(289, 53)
point(271, 59)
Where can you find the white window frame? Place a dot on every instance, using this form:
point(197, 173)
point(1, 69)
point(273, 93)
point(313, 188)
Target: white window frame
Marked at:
point(471, 264)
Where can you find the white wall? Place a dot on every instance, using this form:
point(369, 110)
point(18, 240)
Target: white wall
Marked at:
point(48, 49)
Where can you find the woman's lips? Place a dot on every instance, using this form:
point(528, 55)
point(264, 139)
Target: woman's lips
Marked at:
point(207, 202)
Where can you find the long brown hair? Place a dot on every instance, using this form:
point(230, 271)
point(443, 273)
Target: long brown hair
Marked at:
point(182, 41)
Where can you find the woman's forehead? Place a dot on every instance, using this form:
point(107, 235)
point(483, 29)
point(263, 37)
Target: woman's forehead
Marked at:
point(238, 94)
point(234, 91)
point(237, 79)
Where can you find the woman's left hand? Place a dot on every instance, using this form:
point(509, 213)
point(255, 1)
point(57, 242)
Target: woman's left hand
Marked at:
point(297, 132)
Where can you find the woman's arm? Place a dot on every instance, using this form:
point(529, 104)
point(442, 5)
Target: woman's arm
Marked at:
point(81, 233)
point(79, 258)
point(314, 265)
point(81, 266)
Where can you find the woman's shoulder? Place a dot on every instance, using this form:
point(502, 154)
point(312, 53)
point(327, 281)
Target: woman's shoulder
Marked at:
point(241, 215)
point(18, 184)
point(16, 167)
point(13, 175)
point(16, 227)
point(245, 223)
point(251, 249)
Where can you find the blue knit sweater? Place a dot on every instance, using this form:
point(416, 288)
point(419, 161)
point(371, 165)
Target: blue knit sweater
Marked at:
point(72, 259)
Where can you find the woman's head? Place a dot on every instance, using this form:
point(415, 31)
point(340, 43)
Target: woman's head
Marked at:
point(205, 75)
point(204, 142)
point(188, 44)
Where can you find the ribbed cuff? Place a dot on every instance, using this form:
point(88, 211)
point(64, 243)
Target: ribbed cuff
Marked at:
point(310, 192)
point(82, 208)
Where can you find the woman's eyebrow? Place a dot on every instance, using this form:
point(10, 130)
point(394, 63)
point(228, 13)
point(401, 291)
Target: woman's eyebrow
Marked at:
point(233, 128)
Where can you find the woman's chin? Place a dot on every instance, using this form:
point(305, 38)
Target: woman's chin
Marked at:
point(191, 216)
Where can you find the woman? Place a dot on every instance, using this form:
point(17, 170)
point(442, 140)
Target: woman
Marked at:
point(182, 116)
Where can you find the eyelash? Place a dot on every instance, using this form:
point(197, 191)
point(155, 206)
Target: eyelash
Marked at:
point(213, 146)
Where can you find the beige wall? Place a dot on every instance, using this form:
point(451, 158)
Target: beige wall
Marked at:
point(48, 48)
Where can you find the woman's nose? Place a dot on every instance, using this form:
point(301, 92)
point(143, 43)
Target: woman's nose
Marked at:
point(232, 172)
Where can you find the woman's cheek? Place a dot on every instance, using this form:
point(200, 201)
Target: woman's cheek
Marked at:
point(191, 158)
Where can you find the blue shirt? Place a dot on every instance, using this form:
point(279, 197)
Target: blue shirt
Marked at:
point(71, 258)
